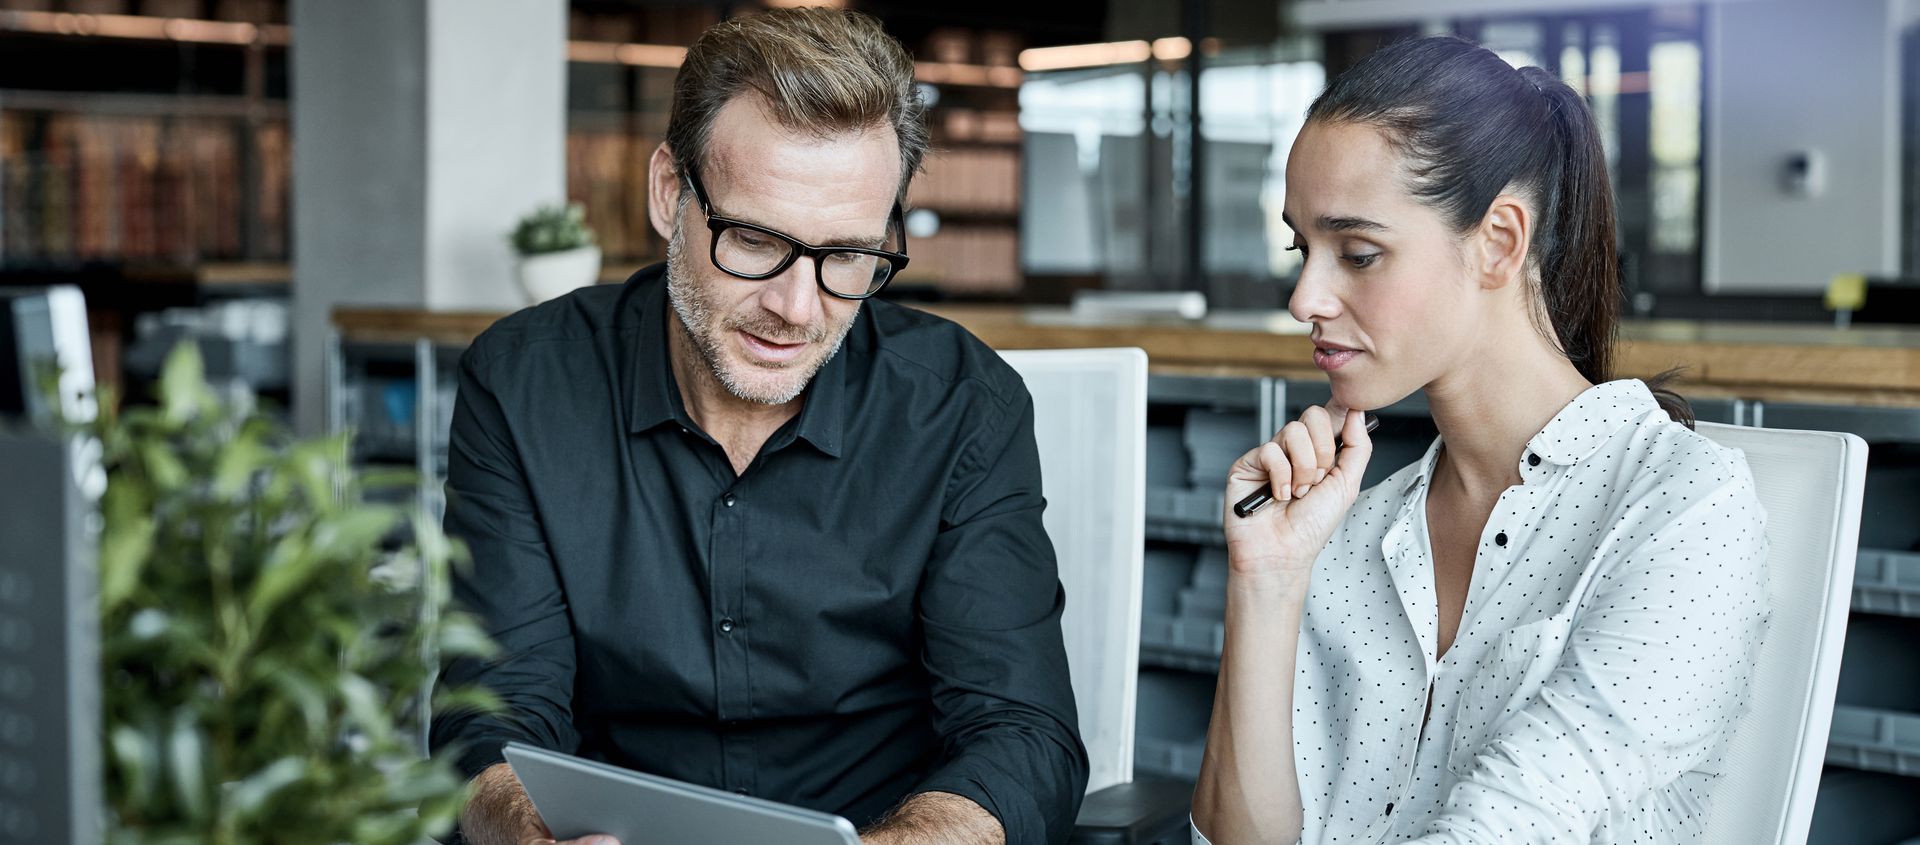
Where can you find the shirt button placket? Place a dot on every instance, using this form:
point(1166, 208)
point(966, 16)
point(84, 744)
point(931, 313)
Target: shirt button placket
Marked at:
point(730, 653)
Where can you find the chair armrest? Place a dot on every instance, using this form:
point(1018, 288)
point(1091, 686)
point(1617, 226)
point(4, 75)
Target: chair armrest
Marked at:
point(1148, 811)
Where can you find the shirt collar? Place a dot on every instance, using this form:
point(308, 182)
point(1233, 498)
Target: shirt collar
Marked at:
point(1590, 420)
point(1572, 435)
point(1422, 471)
point(653, 397)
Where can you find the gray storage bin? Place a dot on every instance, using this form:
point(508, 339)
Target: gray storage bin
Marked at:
point(1887, 582)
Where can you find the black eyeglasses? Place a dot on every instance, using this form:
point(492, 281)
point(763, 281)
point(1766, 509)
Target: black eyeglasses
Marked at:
point(748, 251)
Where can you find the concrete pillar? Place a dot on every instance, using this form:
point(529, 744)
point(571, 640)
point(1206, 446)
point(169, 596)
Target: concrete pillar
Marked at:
point(423, 130)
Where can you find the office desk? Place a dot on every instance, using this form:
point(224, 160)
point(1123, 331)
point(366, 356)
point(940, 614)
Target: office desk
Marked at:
point(1861, 366)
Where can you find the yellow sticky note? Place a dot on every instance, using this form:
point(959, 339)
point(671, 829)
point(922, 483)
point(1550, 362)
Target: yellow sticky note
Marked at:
point(1847, 292)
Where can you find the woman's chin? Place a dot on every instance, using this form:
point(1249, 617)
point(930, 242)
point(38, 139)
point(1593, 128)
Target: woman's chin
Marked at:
point(1365, 394)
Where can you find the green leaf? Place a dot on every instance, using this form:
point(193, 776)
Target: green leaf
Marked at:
point(460, 637)
point(289, 566)
point(348, 534)
point(126, 541)
point(363, 702)
point(306, 698)
point(137, 759)
point(248, 795)
point(186, 747)
point(183, 382)
point(238, 463)
point(164, 467)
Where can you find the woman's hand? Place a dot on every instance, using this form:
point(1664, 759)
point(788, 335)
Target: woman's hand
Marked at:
point(1313, 485)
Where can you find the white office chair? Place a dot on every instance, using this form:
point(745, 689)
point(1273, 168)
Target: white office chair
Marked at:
point(1810, 483)
point(1090, 420)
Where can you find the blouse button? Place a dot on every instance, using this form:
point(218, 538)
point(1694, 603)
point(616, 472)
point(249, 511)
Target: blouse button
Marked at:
point(1533, 460)
point(1500, 539)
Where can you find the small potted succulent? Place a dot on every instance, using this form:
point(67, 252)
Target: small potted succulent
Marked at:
point(557, 251)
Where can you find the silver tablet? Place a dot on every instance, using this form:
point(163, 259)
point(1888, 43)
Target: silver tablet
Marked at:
point(578, 797)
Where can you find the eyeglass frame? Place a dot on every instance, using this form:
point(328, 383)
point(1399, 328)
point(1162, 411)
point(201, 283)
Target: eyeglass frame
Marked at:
point(719, 225)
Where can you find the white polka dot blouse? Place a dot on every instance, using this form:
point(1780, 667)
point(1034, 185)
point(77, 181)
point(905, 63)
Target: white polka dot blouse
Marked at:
point(1616, 604)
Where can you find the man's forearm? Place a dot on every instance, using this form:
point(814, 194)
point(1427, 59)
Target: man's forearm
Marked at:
point(499, 811)
point(937, 818)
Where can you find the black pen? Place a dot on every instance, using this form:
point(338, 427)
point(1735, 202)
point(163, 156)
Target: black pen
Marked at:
point(1259, 498)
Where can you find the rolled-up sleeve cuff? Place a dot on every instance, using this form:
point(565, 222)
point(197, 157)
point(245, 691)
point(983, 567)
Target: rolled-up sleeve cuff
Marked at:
point(478, 754)
point(1019, 815)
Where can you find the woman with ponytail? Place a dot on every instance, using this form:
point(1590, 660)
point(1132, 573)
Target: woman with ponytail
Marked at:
point(1542, 631)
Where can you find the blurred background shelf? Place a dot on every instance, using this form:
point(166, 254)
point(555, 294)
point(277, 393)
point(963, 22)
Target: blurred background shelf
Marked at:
point(1887, 582)
point(1875, 740)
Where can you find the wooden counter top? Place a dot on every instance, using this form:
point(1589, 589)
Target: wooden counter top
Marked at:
point(1876, 366)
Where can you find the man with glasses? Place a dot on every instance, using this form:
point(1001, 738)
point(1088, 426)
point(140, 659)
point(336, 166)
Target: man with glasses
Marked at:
point(736, 523)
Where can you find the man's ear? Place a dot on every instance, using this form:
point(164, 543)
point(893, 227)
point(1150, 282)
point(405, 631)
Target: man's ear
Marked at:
point(1502, 242)
point(663, 192)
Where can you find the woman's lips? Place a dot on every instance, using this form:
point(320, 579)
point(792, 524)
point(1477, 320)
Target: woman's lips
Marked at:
point(1330, 358)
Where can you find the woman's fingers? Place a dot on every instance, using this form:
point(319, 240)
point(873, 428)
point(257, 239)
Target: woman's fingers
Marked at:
point(1302, 455)
point(1356, 445)
point(1266, 465)
point(1320, 422)
point(1273, 459)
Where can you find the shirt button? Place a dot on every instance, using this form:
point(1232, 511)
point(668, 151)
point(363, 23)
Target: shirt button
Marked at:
point(1500, 539)
point(726, 626)
point(1533, 460)
point(728, 500)
point(1389, 808)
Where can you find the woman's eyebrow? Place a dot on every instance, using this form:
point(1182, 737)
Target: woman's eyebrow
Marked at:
point(1339, 223)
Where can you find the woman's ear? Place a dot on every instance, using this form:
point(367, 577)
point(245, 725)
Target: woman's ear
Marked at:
point(663, 192)
point(1505, 235)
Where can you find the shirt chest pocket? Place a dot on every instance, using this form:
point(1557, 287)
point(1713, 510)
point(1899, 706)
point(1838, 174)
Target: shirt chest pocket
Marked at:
point(1503, 682)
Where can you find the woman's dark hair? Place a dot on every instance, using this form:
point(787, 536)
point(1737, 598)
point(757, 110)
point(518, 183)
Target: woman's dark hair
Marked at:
point(1470, 128)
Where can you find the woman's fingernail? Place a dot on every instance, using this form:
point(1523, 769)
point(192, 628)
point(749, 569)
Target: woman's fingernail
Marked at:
point(1299, 491)
point(1320, 476)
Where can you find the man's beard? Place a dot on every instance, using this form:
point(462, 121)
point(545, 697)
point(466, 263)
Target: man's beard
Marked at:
point(707, 330)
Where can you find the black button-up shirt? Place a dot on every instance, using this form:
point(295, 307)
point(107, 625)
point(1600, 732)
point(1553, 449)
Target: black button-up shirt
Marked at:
point(870, 611)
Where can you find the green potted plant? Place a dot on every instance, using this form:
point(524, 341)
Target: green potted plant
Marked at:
point(266, 640)
point(557, 251)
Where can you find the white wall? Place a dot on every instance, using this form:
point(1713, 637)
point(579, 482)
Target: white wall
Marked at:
point(1788, 75)
point(496, 140)
point(422, 130)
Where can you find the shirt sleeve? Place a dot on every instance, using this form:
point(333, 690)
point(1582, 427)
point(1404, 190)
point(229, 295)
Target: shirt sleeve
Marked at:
point(511, 586)
point(990, 607)
point(1679, 618)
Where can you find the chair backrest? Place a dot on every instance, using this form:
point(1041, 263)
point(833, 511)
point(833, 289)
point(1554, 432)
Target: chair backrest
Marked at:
point(1810, 483)
point(1090, 420)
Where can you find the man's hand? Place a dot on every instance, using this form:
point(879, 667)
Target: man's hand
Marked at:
point(937, 818)
point(499, 813)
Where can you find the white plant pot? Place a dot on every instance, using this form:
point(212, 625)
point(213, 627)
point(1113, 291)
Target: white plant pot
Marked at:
point(551, 274)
